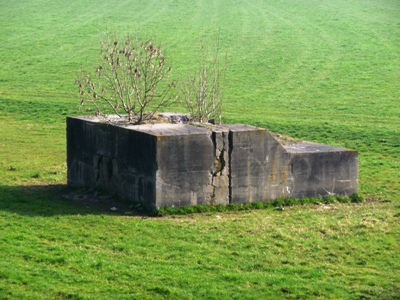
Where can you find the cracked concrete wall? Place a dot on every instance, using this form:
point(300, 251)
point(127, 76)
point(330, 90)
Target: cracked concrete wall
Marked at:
point(160, 165)
point(259, 165)
point(177, 164)
point(218, 189)
point(247, 163)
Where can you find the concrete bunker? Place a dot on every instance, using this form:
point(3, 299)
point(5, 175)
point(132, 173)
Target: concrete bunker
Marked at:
point(166, 164)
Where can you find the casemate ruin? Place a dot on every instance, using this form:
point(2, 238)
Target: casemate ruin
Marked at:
point(165, 164)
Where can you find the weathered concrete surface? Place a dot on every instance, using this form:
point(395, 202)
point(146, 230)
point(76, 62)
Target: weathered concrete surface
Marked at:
point(180, 164)
point(254, 160)
point(158, 165)
point(319, 170)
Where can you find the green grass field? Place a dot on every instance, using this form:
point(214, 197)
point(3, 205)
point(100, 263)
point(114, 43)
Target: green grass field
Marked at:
point(323, 71)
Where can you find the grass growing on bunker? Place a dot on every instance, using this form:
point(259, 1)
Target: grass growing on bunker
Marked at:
point(321, 71)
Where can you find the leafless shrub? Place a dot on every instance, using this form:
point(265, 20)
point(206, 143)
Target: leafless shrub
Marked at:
point(202, 92)
point(128, 80)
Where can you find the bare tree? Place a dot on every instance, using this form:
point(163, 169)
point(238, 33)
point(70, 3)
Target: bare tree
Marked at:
point(201, 92)
point(127, 80)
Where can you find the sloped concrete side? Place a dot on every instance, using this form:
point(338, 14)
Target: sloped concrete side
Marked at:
point(278, 169)
point(258, 163)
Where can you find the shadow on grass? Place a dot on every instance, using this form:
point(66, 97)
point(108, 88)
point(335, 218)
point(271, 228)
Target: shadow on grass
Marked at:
point(51, 200)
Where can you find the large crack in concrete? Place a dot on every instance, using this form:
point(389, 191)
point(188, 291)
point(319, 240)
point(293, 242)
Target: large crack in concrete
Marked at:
point(189, 165)
point(230, 148)
point(219, 173)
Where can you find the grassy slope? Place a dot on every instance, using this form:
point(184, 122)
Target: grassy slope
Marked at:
point(317, 70)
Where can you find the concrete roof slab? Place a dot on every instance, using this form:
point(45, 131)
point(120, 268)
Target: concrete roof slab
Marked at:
point(308, 147)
